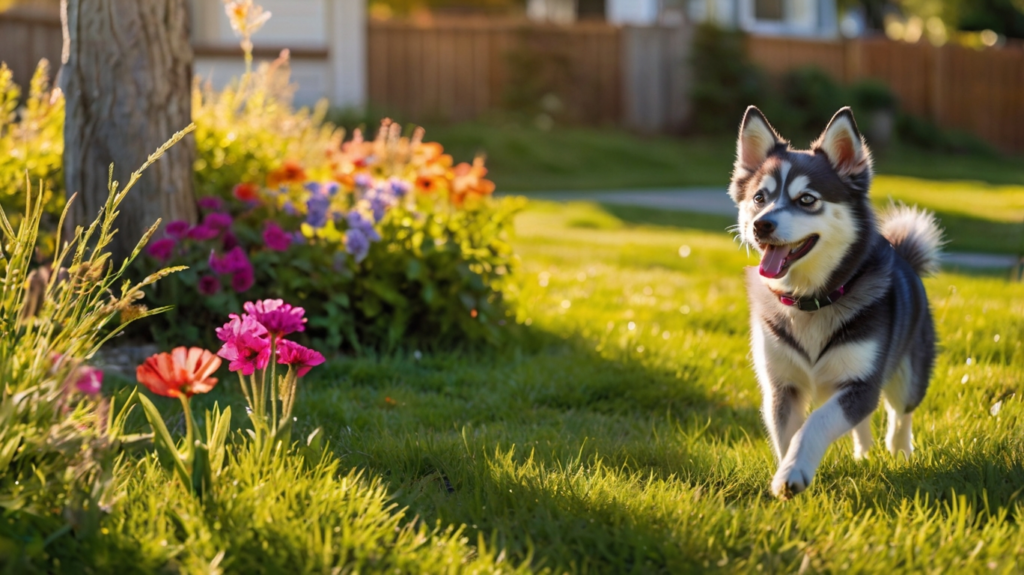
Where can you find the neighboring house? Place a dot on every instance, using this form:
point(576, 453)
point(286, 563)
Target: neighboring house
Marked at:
point(326, 39)
point(793, 18)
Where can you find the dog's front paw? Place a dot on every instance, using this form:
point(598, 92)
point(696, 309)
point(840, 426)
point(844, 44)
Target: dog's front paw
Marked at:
point(790, 480)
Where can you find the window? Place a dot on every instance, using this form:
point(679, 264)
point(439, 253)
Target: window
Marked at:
point(769, 10)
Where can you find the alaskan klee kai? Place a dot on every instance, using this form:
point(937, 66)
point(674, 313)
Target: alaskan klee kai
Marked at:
point(839, 316)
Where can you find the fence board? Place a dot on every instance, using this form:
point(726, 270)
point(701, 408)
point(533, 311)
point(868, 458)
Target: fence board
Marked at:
point(478, 63)
point(27, 38)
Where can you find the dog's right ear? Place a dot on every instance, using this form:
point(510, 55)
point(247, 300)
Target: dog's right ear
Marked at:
point(757, 139)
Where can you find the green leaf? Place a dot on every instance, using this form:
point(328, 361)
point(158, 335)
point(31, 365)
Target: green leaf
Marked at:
point(167, 451)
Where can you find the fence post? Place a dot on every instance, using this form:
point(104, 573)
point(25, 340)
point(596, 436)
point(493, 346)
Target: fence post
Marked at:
point(935, 82)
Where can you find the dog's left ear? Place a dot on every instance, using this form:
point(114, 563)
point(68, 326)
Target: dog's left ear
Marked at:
point(843, 145)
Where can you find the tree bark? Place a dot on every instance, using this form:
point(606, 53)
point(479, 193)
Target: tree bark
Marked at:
point(127, 78)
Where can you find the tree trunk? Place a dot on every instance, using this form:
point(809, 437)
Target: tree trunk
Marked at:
point(126, 79)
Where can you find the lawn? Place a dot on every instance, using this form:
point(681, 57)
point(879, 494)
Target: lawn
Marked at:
point(979, 199)
point(621, 433)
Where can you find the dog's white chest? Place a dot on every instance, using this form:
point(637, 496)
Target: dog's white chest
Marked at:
point(804, 361)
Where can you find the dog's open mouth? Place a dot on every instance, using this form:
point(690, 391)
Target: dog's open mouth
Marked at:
point(777, 258)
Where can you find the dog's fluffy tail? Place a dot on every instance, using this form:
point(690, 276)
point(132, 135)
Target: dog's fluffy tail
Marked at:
point(915, 235)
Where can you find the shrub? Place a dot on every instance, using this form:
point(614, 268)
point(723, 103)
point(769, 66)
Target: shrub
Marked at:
point(31, 143)
point(812, 97)
point(725, 81)
point(873, 95)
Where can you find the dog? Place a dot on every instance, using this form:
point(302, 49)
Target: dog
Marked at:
point(839, 314)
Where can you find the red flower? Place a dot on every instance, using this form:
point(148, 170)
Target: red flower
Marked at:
point(247, 192)
point(301, 358)
point(186, 370)
point(279, 318)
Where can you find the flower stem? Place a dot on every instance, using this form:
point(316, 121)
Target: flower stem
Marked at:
point(273, 384)
point(190, 434)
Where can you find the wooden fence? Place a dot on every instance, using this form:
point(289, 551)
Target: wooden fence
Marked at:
point(462, 69)
point(981, 92)
point(26, 38)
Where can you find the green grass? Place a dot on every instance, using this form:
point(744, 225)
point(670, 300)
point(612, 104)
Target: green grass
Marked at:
point(979, 199)
point(622, 434)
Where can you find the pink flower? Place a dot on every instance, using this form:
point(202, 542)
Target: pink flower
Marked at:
point(88, 380)
point(218, 221)
point(208, 285)
point(211, 204)
point(233, 261)
point(301, 358)
point(276, 238)
point(161, 249)
point(278, 317)
point(242, 280)
point(245, 344)
point(202, 233)
point(177, 229)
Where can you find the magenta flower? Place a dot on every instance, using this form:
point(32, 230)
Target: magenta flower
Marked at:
point(202, 233)
point(208, 285)
point(245, 344)
point(161, 249)
point(233, 261)
point(278, 317)
point(88, 380)
point(211, 204)
point(275, 238)
point(230, 241)
point(242, 280)
point(178, 229)
point(301, 358)
point(218, 221)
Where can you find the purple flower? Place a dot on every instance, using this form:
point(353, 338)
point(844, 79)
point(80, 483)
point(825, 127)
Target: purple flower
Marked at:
point(301, 358)
point(316, 210)
point(210, 203)
point(89, 380)
point(245, 344)
point(363, 181)
point(399, 187)
point(242, 280)
point(357, 244)
point(177, 229)
point(208, 285)
point(218, 221)
point(356, 221)
point(380, 200)
point(161, 249)
point(278, 317)
point(202, 233)
point(298, 238)
point(289, 208)
point(275, 238)
point(233, 261)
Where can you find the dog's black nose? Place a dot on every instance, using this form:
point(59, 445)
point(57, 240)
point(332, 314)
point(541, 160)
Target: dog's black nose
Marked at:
point(764, 226)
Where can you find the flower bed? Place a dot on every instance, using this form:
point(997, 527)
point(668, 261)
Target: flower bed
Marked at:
point(385, 242)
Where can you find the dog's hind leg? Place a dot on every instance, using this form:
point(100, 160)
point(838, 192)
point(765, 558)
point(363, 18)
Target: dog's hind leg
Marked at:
point(899, 438)
point(862, 439)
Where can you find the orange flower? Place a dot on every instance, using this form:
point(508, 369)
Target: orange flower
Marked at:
point(291, 172)
point(183, 371)
point(427, 184)
point(469, 182)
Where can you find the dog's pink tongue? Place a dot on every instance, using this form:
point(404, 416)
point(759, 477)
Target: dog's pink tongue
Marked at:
point(772, 261)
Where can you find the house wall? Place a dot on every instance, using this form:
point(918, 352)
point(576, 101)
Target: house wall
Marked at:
point(327, 40)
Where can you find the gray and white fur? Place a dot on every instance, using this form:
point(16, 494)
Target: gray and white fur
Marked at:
point(808, 213)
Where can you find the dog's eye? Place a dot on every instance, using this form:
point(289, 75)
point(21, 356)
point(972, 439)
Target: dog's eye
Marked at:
point(759, 198)
point(807, 200)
